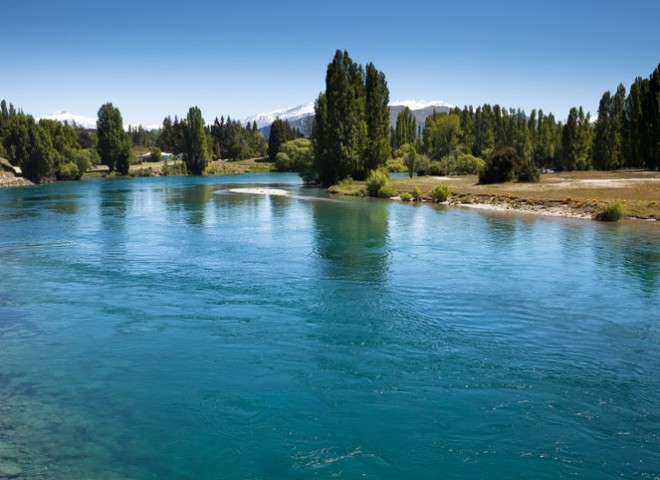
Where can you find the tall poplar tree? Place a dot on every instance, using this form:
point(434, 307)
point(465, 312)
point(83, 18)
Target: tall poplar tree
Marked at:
point(340, 133)
point(405, 130)
point(635, 129)
point(652, 120)
point(195, 148)
point(377, 115)
point(113, 144)
point(618, 115)
point(569, 134)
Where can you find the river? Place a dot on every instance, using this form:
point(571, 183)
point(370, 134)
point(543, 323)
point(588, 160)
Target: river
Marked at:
point(169, 328)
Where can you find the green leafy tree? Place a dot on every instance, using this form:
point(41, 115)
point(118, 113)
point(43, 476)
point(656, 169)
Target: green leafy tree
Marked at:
point(442, 135)
point(155, 155)
point(378, 183)
point(17, 139)
point(410, 160)
point(195, 149)
point(294, 156)
point(114, 146)
point(39, 164)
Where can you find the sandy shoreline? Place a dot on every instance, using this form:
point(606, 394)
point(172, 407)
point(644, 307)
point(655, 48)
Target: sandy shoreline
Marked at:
point(554, 211)
point(8, 180)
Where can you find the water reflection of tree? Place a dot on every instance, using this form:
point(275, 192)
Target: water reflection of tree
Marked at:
point(67, 204)
point(192, 202)
point(633, 254)
point(352, 239)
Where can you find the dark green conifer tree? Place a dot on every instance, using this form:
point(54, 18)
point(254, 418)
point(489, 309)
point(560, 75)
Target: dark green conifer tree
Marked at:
point(195, 149)
point(652, 120)
point(340, 134)
point(377, 115)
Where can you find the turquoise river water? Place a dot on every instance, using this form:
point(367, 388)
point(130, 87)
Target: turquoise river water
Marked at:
point(167, 328)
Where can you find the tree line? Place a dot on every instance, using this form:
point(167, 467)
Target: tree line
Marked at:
point(45, 149)
point(351, 135)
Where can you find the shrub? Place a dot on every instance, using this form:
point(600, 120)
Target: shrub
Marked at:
point(386, 191)
point(436, 168)
point(68, 171)
point(377, 179)
point(142, 172)
point(83, 159)
point(283, 163)
point(527, 172)
point(346, 186)
point(178, 168)
point(612, 212)
point(440, 193)
point(465, 164)
point(505, 165)
point(395, 165)
point(417, 194)
point(296, 155)
point(406, 197)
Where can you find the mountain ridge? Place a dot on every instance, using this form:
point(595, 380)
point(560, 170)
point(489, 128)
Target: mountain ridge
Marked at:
point(299, 116)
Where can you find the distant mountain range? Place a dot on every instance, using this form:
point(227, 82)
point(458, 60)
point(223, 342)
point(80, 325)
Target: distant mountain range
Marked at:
point(299, 116)
point(87, 123)
point(71, 118)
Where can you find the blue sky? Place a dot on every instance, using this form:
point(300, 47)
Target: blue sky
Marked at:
point(157, 58)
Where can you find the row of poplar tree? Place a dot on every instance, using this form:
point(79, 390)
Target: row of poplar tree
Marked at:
point(625, 134)
point(351, 134)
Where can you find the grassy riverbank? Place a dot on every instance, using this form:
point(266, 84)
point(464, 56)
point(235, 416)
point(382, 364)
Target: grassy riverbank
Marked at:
point(578, 194)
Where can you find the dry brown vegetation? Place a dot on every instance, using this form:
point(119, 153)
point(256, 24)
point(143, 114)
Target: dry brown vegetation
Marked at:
point(570, 193)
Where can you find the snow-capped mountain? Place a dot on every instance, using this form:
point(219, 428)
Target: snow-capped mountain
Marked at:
point(70, 118)
point(420, 104)
point(298, 116)
point(87, 122)
point(291, 114)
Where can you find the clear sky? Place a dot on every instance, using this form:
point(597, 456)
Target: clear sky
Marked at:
point(155, 58)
